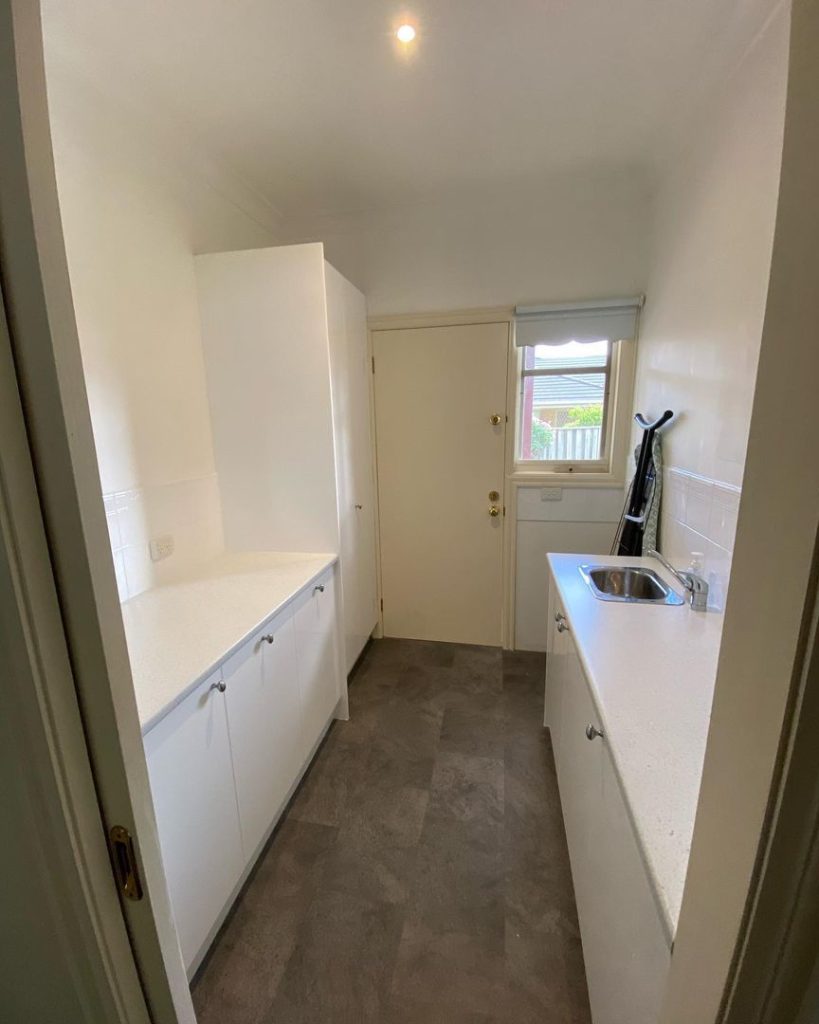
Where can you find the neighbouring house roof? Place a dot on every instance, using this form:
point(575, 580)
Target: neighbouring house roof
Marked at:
point(566, 390)
point(568, 361)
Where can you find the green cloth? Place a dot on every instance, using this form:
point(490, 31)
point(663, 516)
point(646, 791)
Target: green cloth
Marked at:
point(651, 529)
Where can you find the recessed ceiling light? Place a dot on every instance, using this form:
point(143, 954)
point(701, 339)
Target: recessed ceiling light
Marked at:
point(405, 33)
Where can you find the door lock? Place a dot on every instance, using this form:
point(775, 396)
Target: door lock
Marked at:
point(126, 869)
point(496, 419)
point(494, 496)
point(494, 511)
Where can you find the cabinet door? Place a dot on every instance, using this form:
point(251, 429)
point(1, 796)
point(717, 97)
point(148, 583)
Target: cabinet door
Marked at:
point(352, 421)
point(579, 778)
point(625, 947)
point(189, 767)
point(264, 718)
point(316, 635)
point(556, 647)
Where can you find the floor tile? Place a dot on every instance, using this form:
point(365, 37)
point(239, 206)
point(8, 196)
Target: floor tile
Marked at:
point(462, 969)
point(376, 850)
point(459, 883)
point(239, 979)
point(467, 788)
point(342, 965)
point(475, 727)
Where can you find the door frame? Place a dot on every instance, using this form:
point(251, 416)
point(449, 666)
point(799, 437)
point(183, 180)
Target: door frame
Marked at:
point(456, 318)
point(60, 579)
point(777, 964)
point(46, 734)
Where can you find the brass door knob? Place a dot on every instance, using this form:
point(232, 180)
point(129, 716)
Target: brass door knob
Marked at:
point(495, 419)
point(494, 511)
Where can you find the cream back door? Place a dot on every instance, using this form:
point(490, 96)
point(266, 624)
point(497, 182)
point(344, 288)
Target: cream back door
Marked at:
point(440, 411)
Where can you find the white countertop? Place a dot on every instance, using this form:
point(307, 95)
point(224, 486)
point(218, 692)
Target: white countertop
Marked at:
point(179, 633)
point(652, 671)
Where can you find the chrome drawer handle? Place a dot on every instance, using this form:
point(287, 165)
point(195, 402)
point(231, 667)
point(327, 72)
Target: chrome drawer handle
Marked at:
point(592, 732)
point(563, 626)
point(319, 588)
point(560, 617)
point(221, 686)
point(268, 638)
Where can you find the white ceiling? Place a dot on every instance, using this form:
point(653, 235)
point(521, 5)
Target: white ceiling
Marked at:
point(312, 104)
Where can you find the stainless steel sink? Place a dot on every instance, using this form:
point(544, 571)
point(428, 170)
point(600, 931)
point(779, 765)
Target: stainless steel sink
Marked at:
point(624, 583)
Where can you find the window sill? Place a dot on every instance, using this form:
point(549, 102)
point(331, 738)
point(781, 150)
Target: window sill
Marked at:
point(553, 477)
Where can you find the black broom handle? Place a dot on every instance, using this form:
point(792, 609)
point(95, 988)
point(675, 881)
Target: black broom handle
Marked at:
point(641, 421)
point(644, 458)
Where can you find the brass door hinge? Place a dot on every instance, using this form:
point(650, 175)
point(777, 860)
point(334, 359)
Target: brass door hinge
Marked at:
point(126, 868)
point(373, 362)
point(382, 604)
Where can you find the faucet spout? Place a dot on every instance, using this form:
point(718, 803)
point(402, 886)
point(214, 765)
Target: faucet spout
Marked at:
point(696, 586)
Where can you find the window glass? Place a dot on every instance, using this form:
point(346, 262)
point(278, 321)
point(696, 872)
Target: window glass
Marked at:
point(563, 397)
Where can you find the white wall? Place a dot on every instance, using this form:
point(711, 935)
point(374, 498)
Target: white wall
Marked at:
point(710, 255)
point(134, 211)
point(564, 237)
point(555, 519)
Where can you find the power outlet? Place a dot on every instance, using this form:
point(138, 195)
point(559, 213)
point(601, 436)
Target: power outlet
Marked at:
point(161, 547)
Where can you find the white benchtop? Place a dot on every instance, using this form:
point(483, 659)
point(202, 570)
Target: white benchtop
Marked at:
point(179, 633)
point(651, 669)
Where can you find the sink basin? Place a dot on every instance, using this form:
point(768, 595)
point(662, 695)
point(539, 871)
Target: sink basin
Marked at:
point(624, 583)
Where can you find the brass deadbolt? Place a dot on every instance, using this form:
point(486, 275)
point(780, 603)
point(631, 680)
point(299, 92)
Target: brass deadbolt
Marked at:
point(496, 419)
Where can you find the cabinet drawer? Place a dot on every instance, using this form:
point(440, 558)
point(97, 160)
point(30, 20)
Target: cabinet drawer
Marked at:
point(191, 777)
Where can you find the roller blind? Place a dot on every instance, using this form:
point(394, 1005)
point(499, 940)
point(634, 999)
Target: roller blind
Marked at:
point(598, 320)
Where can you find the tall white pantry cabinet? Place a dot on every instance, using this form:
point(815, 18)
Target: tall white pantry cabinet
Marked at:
point(285, 344)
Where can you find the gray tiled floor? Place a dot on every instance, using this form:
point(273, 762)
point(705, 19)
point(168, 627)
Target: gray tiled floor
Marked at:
point(421, 874)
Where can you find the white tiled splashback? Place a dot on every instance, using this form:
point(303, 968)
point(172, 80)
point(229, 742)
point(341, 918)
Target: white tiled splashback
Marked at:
point(700, 514)
point(189, 510)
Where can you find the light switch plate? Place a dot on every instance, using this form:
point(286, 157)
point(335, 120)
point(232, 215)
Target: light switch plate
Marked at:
point(551, 494)
point(161, 547)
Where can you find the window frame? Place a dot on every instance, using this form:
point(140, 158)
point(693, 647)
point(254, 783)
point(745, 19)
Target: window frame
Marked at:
point(619, 376)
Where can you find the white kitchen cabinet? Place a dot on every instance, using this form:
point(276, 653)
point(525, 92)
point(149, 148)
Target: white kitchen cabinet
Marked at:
point(265, 723)
point(191, 775)
point(352, 420)
point(625, 948)
point(223, 762)
point(285, 345)
point(317, 657)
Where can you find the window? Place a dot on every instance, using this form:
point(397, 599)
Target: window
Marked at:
point(573, 375)
point(563, 401)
